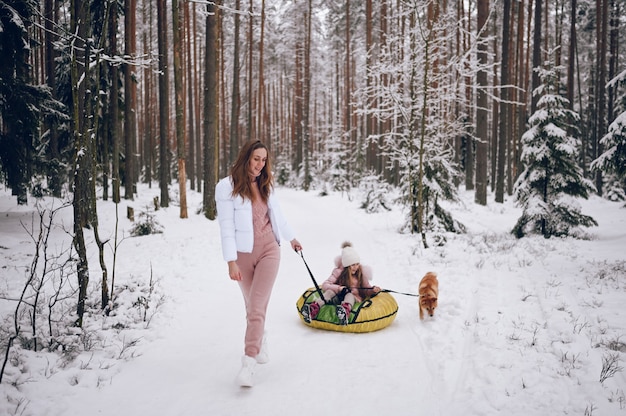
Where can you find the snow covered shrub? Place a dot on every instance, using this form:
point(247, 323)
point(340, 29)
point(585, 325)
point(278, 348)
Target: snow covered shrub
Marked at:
point(610, 366)
point(331, 171)
point(147, 224)
point(136, 303)
point(375, 193)
point(282, 170)
point(552, 179)
point(614, 189)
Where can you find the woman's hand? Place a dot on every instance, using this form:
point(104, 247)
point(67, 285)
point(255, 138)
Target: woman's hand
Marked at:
point(295, 244)
point(233, 271)
point(376, 289)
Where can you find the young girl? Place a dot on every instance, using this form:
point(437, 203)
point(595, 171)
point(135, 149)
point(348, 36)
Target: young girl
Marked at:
point(251, 227)
point(348, 283)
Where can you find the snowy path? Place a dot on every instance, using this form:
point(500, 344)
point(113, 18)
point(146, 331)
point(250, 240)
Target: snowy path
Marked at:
point(521, 328)
point(189, 369)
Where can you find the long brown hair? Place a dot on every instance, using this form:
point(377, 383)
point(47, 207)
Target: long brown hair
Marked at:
point(344, 279)
point(241, 178)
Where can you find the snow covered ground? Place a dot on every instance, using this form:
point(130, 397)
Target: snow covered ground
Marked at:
point(524, 327)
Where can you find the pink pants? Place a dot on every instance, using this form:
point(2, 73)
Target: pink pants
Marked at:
point(258, 270)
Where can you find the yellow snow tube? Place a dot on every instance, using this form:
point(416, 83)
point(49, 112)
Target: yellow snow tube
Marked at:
point(372, 314)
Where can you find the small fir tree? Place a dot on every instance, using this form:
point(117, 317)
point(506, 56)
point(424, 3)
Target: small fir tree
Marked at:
point(551, 181)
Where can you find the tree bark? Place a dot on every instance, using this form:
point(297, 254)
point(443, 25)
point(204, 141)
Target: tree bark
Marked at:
point(260, 110)
point(235, 100)
point(114, 112)
point(164, 124)
point(482, 126)
point(177, 27)
point(130, 99)
point(250, 121)
point(601, 69)
point(211, 113)
point(504, 110)
point(81, 164)
point(536, 63)
point(191, 140)
point(307, 98)
point(235, 104)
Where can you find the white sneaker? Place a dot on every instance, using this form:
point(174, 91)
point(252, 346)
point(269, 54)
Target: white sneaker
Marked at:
point(263, 357)
point(246, 374)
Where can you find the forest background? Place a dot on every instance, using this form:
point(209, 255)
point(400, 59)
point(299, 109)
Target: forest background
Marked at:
point(422, 96)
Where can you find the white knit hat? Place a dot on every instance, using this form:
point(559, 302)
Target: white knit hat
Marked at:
point(349, 256)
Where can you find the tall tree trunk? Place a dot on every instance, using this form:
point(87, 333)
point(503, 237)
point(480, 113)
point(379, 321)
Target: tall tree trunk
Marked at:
point(81, 163)
point(164, 108)
point(94, 112)
point(177, 27)
point(511, 94)
point(198, 99)
point(235, 104)
point(495, 108)
point(471, 137)
point(504, 110)
point(130, 98)
point(522, 77)
point(384, 126)
point(211, 113)
point(571, 52)
point(250, 99)
point(601, 68)
point(261, 94)
point(614, 15)
point(371, 148)
point(421, 197)
point(55, 176)
point(223, 106)
point(348, 91)
point(114, 111)
point(536, 55)
point(148, 106)
point(298, 108)
point(482, 133)
point(306, 128)
point(191, 133)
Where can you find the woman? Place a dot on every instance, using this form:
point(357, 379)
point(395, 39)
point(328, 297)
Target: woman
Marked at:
point(348, 283)
point(251, 226)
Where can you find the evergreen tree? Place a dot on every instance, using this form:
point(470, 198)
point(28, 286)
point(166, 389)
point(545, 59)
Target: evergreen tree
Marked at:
point(551, 180)
point(613, 161)
point(21, 103)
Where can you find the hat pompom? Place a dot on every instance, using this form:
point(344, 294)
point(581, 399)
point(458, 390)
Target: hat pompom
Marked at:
point(349, 256)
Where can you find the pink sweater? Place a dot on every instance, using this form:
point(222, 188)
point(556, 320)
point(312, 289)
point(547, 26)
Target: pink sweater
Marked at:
point(260, 219)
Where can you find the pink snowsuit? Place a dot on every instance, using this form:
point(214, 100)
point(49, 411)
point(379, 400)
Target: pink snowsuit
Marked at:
point(258, 226)
point(258, 270)
point(331, 288)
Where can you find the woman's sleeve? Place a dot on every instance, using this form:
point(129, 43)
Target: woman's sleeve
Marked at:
point(226, 219)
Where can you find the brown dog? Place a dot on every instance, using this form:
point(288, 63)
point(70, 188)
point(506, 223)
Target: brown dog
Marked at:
point(428, 291)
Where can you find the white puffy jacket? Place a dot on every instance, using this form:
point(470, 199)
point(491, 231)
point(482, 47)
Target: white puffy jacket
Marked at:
point(235, 218)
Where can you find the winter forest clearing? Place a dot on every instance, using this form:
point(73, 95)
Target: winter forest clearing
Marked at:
point(530, 326)
point(483, 140)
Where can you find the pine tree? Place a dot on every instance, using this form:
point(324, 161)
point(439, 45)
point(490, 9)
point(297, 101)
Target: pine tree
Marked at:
point(21, 102)
point(613, 161)
point(551, 180)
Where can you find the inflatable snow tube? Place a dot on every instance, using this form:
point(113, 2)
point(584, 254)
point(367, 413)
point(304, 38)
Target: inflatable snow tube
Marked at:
point(372, 314)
